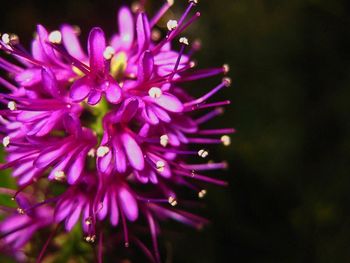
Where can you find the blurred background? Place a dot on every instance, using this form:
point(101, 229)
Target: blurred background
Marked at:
point(288, 198)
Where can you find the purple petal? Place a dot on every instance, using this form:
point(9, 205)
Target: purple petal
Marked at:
point(143, 32)
point(145, 68)
point(126, 27)
point(62, 210)
point(76, 168)
point(94, 97)
point(120, 158)
point(71, 42)
point(104, 162)
point(73, 218)
point(168, 102)
point(50, 82)
point(96, 47)
point(80, 89)
point(133, 151)
point(114, 210)
point(43, 37)
point(48, 156)
point(113, 92)
point(103, 211)
point(129, 204)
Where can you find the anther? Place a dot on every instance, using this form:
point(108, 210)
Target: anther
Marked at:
point(92, 153)
point(102, 151)
point(90, 238)
point(226, 140)
point(55, 37)
point(227, 81)
point(184, 40)
point(193, 1)
point(164, 140)
point(12, 105)
point(109, 52)
point(171, 25)
point(60, 176)
point(155, 92)
point(5, 38)
point(156, 35)
point(160, 166)
point(14, 39)
point(203, 153)
point(172, 201)
point(20, 211)
point(202, 193)
point(226, 68)
point(6, 141)
point(88, 221)
point(170, 2)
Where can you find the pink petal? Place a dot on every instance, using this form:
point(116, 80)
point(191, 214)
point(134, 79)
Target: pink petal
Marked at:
point(145, 68)
point(129, 204)
point(73, 218)
point(96, 47)
point(126, 27)
point(71, 42)
point(80, 89)
point(114, 210)
point(143, 32)
point(94, 97)
point(133, 151)
point(113, 92)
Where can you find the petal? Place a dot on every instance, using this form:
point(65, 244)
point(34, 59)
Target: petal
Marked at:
point(143, 32)
point(50, 155)
point(104, 162)
point(119, 157)
point(50, 82)
point(168, 102)
point(96, 47)
point(43, 37)
point(80, 89)
point(145, 68)
point(94, 97)
point(74, 217)
point(71, 42)
point(126, 27)
point(114, 210)
point(113, 92)
point(102, 213)
point(76, 168)
point(133, 151)
point(129, 204)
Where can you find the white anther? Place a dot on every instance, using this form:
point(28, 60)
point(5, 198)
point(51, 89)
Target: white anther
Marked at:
point(160, 166)
point(171, 25)
point(202, 193)
point(172, 201)
point(55, 37)
point(109, 52)
point(102, 151)
point(193, 1)
point(164, 140)
point(155, 92)
point(170, 2)
point(6, 38)
point(6, 141)
point(12, 105)
point(226, 140)
point(60, 176)
point(92, 153)
point(203, 153)
point(226, 68)
point(227, 81)
point(184, 40)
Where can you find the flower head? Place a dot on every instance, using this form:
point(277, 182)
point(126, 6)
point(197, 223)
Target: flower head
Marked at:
point(112, 123)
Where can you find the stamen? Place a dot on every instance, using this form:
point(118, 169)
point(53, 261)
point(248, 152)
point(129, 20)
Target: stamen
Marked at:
point(88, 221)
point(164, 140)
point(210, 115)
point(171, 25)
point(60, 176)
point(226, 140)
point(5, 38)
point(155, 92)
point(203, 153)
point(102, 151)
point(184, 40)
point(20, 211)
point(6, 141)
point(90, 238)
point(108, 53)
point(202, 193)
point(92, 153)
point(55, 37)
point(160, 166)
point(226, 68)
point(172, 201)
point(12, 105)
point(161, 12)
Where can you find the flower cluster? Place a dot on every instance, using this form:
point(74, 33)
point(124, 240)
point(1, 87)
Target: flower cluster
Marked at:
point(112, 125)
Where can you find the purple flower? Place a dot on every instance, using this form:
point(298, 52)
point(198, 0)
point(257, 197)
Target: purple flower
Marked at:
point(113, 124)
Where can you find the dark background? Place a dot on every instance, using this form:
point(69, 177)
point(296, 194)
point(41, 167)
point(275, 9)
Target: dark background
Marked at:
point(289, 169)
